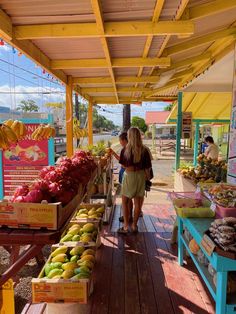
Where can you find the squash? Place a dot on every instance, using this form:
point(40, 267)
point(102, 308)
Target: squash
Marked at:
point(194, 247)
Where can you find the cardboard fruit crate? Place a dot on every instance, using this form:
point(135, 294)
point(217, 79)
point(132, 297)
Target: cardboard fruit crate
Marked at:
point(50, 216)
point(96, 243)
point(60, 290)
point(76, 219)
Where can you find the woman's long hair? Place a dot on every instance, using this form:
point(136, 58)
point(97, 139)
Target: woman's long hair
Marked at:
point(134, 148)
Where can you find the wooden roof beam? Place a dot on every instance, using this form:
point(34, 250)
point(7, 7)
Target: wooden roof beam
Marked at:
point(207, 9)
point(111, 29)
point(100, 27)
point(5, 26)
point(119, 79)
point(195, 42)
point(98, 90)
point(162, 88)
point(115, 63)
point(131, 100)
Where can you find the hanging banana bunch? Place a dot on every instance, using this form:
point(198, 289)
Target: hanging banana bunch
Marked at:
point(78, 133)
point(17, 127)
point(43, 132)
point(7, 137)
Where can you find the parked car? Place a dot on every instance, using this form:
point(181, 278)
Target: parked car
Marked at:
point(114, 133)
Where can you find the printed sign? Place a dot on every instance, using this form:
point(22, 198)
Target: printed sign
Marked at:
point(186, 125)
point(208, 245)
point(22, 162)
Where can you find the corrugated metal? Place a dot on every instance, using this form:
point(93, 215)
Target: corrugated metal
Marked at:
point(173, 91)
point(125, 71)
point(121, 10)
point(88, 72)
point(169, 9)
point(43, 11)
point(73, 48)
point(127, 47)
point(193, 3)
point(190, 53)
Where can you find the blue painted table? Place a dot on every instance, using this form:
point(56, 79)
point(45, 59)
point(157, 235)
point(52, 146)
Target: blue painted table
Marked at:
point(197, 226)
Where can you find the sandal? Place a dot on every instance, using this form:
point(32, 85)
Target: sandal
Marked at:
point(141, 214)
point(121, 219)
point(122, 230)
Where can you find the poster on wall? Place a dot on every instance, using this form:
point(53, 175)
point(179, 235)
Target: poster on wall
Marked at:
point(22, 163)
point(186, 125)
point(232, 137)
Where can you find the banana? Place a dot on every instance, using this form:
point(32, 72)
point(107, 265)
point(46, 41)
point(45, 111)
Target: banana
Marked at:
point(16, 128)
point(22, 130)
point(9, 134)
point(8, 122)
point(60, 250)
point(37, 133)
point(53, 133)
point(3, 144)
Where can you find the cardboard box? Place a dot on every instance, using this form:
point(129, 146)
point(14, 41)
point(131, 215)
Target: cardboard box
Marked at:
point(88, 206)
point(96, 243)
point(60, 290)
point(36, 216)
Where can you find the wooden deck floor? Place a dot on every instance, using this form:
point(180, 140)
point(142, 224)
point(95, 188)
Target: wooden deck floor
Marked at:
point(139, 273)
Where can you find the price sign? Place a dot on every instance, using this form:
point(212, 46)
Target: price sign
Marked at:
point(208, 245)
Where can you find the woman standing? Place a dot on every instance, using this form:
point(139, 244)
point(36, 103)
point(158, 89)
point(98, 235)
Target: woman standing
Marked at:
point(136, 160)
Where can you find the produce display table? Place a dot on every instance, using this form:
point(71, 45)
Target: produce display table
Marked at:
point(34, 240)
point(222, 265)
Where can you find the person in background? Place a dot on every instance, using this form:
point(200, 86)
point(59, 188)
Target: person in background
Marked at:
point(212, 151)
point(136, 160)
point(123, 142)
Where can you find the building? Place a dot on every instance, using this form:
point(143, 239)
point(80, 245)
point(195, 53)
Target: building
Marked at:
point(159, 118)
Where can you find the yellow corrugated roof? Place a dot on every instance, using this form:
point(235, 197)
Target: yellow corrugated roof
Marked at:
point(205, 106)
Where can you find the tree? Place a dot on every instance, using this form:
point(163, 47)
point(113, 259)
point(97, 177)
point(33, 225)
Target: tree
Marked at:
point(28, 105)
point(169, 107)
point(126, 117)
point(139, 123)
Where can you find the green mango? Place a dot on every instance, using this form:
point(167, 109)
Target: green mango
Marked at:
point(80, 276)
point(66, 238)
point(56, 265)
point(74, 258)
point(55, 272)
point(47, 269)
point(77, 250)
point(76, 238)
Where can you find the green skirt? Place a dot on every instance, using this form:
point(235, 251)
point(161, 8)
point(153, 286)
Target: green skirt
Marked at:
point(133, 184)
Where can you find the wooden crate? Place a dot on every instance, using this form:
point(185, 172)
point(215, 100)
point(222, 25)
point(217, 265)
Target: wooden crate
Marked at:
point(50, 216)
point(87, 206)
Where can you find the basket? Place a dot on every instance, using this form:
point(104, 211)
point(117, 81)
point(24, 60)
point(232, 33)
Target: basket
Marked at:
point(187, 208)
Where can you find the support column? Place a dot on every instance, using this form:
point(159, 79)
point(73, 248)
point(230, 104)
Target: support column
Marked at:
point(126, 117)
point(69, 118)
point(196, 140)
point(179, 131)
point(153, 137)
point(90, 122)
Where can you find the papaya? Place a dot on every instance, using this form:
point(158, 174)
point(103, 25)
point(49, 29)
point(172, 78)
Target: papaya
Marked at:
point(82, 215)
point(74, 226)
point(100, 210)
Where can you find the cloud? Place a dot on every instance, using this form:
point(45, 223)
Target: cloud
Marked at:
point(11, 96)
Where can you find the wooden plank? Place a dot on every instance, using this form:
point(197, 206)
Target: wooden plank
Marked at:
point(161, 291)
point(147, 304)
point(141, 225)
point(148, 223)
point(115, 222)
point(117, 282)
point(102, 278)
point(132, 305)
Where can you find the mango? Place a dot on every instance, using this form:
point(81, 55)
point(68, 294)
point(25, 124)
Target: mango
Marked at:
point(74, 258)
point(89, 252)
point(56, 265)
point(76, 238)
point(59, 258)
point(47, 269)
point(69, 265)
point(54, 272)
point(57, 277)
point(90, 258)
point(77, 250)
point(83, 211)
point(92, 211)
point(74, 226)
point(82, 216)
point(89, 227)
point(93, 216)
point(88, 264)
point(82, 269)
point(67, 274)
point(59, 250)
point(66, 238)
point(74, 231)
point(86, 239)
point(100, 210)
point(81, 276)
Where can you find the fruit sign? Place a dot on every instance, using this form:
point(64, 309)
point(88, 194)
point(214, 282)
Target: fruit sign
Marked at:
point(22, 162)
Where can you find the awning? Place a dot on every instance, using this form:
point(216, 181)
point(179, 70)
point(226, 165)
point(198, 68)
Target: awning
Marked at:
point(205, 107)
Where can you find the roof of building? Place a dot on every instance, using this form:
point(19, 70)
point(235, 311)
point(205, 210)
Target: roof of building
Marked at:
point(156, 117)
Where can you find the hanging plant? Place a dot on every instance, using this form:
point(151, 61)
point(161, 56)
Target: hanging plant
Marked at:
point(43, 132)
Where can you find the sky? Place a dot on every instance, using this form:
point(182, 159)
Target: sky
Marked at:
point(20, 78)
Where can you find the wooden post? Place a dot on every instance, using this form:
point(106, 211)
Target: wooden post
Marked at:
point(196, 140)
point(90, 122)
point(126, 117)
point(69, 118)
point(179, 131)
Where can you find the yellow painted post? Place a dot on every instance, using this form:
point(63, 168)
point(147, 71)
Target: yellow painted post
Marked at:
point(69, 117)
point(90, 122)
